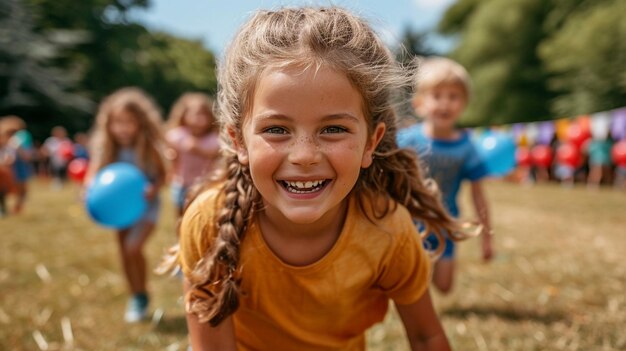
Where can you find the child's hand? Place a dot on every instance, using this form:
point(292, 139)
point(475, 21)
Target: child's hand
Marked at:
point(487, 246)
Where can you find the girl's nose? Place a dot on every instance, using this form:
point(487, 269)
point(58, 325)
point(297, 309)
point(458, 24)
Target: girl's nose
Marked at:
point(305, 152)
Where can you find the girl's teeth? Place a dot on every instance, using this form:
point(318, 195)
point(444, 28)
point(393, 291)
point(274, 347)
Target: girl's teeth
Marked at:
point(304, 186)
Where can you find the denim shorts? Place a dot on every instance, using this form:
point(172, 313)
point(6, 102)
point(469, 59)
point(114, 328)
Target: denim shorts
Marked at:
point(22, 170)
point(152, 213)
point(432, 243)
point(149, 217)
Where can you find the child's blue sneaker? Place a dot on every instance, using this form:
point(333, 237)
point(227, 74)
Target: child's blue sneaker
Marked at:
point(137, 308)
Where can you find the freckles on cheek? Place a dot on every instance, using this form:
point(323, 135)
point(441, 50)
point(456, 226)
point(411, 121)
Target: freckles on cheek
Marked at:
point(353, 147)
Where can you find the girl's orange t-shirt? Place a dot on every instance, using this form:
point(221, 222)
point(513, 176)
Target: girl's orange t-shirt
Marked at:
point(329, 304)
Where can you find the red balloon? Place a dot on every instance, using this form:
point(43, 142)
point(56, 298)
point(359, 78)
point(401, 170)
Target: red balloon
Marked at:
point(77, 169)
point(522, 156)
point(569, 154)
point(541, 155)
point(577, 135)
point(66, 150)
point(618, 153)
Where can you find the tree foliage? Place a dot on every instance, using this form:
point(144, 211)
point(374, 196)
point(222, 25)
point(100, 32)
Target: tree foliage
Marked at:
point(533, 59)
point(497, 45)
point(114, 52)
point(587, 60)
point(28, 73)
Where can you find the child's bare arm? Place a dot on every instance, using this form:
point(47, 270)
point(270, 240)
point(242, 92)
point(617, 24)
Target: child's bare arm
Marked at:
point(422, 325)
point(482, 210)
point(203, 337)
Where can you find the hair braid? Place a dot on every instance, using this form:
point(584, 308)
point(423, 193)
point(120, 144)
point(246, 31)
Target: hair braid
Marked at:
point(216, 278)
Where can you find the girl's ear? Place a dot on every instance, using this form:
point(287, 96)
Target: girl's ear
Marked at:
point(372, 143)
point(240, 147)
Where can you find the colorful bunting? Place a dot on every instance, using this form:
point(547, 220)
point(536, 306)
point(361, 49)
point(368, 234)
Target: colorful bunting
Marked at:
point(534, 141)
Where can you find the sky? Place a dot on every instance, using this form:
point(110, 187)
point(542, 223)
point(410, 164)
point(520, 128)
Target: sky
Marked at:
point(215, 22)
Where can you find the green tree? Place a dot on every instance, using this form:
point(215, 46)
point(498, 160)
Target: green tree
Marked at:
point(169, 66)
point(123, 52)
point(28, 74)
point(55, 44)
point(535, 59)
point(497, 44)
point(115, 52)
point(104, 60)
point(587, 59)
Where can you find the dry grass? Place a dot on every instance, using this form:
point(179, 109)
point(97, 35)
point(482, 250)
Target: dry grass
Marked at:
point(558, 282)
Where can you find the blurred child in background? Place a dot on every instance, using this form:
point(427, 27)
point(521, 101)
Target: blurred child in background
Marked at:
point(441, 95)
point(128, 129)
point(193, 139)
point(81, 141)
point(56, 148)
point(20, 143)
point(564, 173)
point(40, 160)
point(599, 158)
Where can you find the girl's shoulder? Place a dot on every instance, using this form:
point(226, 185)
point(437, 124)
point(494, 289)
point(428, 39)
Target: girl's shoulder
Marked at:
point(199, 219)
point(198, 227)
point(206, 202)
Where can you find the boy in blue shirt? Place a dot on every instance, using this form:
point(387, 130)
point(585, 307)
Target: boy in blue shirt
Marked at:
point(441, 95)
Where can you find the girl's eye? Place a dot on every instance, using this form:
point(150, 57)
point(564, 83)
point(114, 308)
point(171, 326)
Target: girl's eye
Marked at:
point(275, 130)
point(334, 130)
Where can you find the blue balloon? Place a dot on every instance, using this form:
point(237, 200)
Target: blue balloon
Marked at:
point(497, 150)
point(116, 197)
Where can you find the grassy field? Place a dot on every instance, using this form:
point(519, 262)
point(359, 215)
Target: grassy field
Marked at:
point(558, 281)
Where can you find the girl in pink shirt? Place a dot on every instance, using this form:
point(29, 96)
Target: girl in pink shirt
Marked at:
point(193, 138)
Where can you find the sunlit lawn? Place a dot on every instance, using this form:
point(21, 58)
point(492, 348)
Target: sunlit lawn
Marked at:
point(558, 282)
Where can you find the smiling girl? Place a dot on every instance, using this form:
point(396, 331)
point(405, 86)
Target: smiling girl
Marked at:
point(308, 233)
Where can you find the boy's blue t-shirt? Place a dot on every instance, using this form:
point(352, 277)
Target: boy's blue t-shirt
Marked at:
point(448, 162)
